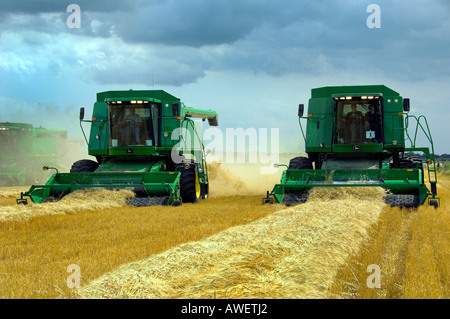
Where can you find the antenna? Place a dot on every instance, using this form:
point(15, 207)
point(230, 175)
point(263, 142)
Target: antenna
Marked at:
point(153, 79)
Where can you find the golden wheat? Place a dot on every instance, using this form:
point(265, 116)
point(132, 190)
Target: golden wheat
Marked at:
point(35, 253)
point(412, 249)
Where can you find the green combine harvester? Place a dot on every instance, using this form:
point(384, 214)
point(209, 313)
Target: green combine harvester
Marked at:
point(356, 137)
point(144, 141)
point(22, 148)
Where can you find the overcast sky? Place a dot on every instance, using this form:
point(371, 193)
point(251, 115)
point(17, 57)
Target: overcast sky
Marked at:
point(253, 61)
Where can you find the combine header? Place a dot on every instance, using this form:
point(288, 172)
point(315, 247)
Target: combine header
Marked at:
point(356, 136)
point(144, 141)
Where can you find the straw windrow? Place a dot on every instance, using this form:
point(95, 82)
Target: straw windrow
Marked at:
point(293, 253)
point(81, 200)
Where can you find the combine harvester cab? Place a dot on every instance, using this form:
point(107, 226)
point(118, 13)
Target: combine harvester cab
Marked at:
point(144, 141)
point(356, 137)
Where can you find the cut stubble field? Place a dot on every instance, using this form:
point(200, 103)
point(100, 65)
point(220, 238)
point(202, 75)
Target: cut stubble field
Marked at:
point(229, 246)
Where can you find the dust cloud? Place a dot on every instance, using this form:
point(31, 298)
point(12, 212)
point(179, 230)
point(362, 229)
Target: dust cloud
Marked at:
point(229, 179)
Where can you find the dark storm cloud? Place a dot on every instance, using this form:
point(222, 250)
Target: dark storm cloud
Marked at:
point(199, 23)
point(279, 37)
point(188, 38)
point(412, 42)
point(193, 23)
point(55, 6)
point(49, 16)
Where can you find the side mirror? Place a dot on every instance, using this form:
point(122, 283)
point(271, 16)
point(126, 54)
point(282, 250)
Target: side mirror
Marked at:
point(406, 104)
point(301, 108)
point(81, 113)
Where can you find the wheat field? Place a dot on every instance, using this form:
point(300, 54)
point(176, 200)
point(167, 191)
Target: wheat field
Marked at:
point(229, 246)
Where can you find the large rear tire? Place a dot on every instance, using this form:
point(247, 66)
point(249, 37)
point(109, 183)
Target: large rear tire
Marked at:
point(84, 166)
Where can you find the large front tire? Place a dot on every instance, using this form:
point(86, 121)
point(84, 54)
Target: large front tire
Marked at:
point(300, 163)
point(190, 190)
point(84, 166)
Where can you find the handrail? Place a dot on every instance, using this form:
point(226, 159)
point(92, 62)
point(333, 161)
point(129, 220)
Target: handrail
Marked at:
point(203, 159)
point(427, 133)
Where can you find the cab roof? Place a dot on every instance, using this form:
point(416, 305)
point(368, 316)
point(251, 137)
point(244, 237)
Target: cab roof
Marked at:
point(329, 91)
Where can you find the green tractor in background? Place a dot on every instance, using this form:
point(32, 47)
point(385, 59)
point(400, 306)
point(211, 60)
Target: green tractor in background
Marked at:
point(23, 148)
point(356, 136)
point(144, 141)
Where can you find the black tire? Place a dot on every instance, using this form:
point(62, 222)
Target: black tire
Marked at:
point(403, 200)
point(84, 166)
point(189, 187)
point(51, 199)
point(300, 163)
point(290, 199)
point(147, 201)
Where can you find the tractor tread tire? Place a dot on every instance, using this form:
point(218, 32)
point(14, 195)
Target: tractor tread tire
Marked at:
point(402, 200)
point(299, 162)
point(147, 201)
point(294, 199)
